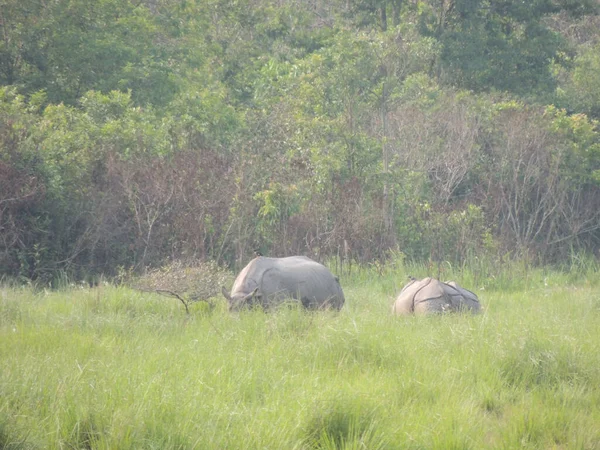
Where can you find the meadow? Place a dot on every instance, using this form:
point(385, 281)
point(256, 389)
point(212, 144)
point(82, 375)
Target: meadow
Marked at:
point(114, 368)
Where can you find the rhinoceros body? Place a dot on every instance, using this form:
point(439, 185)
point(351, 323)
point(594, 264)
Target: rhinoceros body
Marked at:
point(433, 296)
point(269, 281)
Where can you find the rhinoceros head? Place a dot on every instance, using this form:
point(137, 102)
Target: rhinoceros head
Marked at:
point(237, 302)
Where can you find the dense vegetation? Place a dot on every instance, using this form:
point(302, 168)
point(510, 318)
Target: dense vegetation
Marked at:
point(109, 367)
point(458, 130)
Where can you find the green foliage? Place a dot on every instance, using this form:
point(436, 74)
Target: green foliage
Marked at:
point(500, 46)
point(135, 131)
point(65, 155)
point(581, 90)
point(582, 136)
point(333, 99)
point(277, 204)
point(203, 117)
point(70, 47)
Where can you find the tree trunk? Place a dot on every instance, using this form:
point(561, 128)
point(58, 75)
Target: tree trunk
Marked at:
point(383, 15)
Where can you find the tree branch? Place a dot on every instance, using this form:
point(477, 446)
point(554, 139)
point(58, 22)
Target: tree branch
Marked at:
point(170, 294)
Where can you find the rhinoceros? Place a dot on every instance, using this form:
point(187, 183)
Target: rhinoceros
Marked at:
point(269, 281)
point(433, 296)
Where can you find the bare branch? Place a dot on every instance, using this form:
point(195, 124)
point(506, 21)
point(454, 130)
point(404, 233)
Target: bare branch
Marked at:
point(172, 294)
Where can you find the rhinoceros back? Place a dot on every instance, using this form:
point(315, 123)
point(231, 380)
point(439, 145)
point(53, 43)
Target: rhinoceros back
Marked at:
point(421, 297)
point(432, 296)
point(294, 277)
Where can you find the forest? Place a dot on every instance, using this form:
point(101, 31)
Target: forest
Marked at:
point(136, 132)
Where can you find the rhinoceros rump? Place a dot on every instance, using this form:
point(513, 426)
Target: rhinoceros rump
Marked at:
point(269, 281)
point(432, 296)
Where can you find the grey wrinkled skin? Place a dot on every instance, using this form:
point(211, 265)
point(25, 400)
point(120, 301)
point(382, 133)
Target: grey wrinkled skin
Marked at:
point(266, 282)
point(429, 295)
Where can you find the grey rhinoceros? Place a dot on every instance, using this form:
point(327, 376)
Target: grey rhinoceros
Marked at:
point(433, 296)
point(269, 281)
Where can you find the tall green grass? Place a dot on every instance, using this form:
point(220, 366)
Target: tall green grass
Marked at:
point(110, 367)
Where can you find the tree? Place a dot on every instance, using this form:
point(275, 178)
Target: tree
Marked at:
point(68, 47)
point(370, 11)
point(581, 91)
point(502, 45)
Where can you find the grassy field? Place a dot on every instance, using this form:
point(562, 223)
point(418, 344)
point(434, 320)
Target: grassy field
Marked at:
point(110, 367)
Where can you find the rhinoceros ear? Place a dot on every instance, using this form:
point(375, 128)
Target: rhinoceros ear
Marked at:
point(226, 294)
point(251, 295)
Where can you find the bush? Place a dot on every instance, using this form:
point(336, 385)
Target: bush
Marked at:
point(189, 282)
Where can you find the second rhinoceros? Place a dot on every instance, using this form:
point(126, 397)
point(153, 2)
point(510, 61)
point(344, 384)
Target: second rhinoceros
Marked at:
point(269, 281)
point(433, 296)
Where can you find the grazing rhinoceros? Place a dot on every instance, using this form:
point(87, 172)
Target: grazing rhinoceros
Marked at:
point(432, 296)
point(269, 281)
